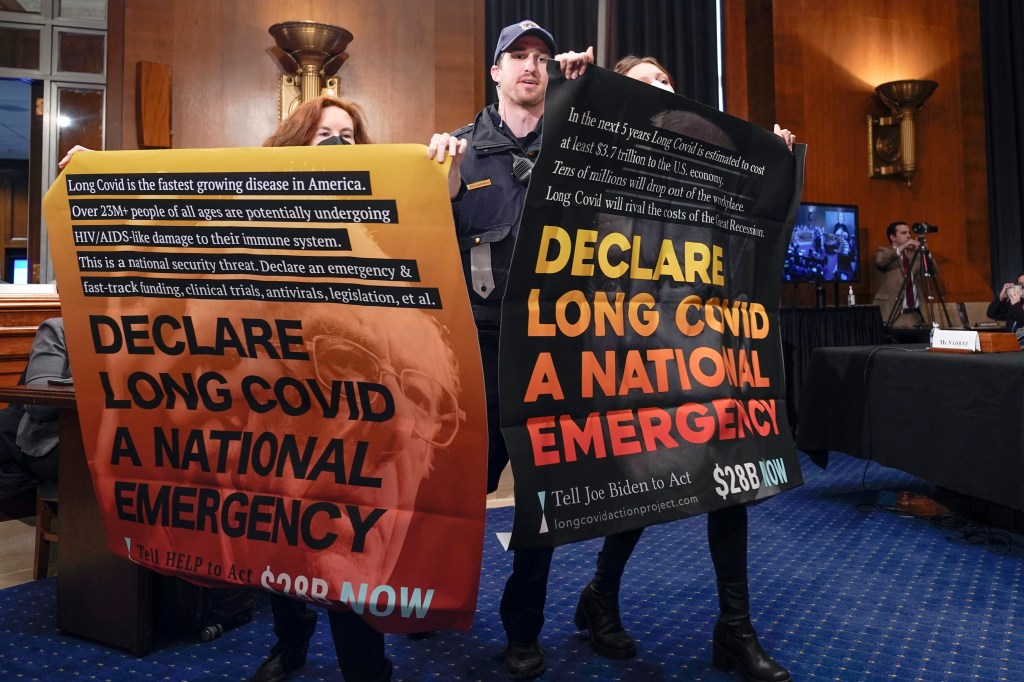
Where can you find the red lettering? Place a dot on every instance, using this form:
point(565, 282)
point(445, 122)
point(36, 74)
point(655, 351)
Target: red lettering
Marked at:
point(622, 433)
point(589, 437)
point(725, 409)
point(655, 427)
point(542, 440)
point(703, 428)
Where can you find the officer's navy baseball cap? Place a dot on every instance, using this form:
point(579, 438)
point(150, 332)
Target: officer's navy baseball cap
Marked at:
point(510, 34)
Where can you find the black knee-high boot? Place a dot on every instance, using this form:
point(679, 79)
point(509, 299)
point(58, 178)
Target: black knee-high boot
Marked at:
point(598, 607)
point(734, 644)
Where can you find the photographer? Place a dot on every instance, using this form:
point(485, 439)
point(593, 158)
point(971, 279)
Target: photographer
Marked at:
point(1009, 305)
point(892, 263)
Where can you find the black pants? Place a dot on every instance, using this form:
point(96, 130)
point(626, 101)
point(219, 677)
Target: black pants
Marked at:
point(526, 590)
point(359, 647)
point(497, 452)
point(44, 468)
point(727, 542)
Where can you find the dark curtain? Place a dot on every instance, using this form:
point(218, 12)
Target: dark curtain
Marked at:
point(573, 23)
point(1002, 26)
point(681, 34)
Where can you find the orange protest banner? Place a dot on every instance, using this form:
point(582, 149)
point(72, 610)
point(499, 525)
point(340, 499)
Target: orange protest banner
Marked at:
point(277, 371)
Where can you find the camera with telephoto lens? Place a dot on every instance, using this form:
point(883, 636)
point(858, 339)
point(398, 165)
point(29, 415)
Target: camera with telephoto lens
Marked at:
point(924, 228)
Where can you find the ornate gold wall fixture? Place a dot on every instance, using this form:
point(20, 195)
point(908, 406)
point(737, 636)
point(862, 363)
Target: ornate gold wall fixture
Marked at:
point(892, 144)
point(310, 54)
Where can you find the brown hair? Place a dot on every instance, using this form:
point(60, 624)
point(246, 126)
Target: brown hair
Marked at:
point(629, 61)
point(298, 129)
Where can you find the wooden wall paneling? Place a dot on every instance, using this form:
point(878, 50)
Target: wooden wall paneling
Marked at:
point(145, 38)
point(828, 57)
point(734, 57)
point(972, 98)
point(479, 30)
point(760, 52)
point(225, 91)
point(938, 195)
point(411, 64)
point(113, 130)
point(458, 86)
point(395, 76)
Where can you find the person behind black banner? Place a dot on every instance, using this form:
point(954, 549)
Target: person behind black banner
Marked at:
point(1008, 305)
point(359, 647)
point(892, 264)
point(491, 164)
point(734, 641)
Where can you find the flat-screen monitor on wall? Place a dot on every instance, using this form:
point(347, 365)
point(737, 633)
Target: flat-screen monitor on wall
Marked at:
point(824, 245)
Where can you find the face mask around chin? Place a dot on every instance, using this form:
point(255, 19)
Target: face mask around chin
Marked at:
point(332, 140)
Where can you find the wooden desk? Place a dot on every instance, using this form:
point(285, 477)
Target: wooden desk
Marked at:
point(20, 317)
point(100, 596)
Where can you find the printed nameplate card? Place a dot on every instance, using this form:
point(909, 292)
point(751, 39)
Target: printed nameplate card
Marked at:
point(964, 341)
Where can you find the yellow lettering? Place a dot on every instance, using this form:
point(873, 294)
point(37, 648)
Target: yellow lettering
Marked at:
point(553, 236)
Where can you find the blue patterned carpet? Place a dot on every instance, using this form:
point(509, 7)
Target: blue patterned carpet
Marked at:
point(838, 594)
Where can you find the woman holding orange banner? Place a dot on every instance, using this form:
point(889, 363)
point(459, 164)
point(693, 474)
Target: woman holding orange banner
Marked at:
point(324, 423)
point(360, 648)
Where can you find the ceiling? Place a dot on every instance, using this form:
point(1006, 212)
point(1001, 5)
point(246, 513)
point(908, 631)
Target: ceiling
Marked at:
point(15, 105)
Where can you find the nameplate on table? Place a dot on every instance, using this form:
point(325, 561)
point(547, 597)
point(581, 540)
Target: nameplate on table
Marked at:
point(964, 341)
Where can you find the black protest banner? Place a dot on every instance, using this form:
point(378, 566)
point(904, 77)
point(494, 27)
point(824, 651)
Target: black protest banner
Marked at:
point(641, 366)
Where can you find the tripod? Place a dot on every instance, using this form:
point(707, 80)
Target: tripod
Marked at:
point(930, 281)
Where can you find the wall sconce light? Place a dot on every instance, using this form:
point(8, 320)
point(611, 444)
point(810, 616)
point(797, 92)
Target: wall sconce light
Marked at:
point(309, 53)
point(891, 139)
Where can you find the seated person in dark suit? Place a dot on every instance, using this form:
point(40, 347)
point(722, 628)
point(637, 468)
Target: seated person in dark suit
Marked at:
point(39, 429)
point(29, 434)
point(1009, 305)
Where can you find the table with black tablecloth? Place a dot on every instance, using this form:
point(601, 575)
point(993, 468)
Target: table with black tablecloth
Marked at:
point(805, 329)
point(956, 420)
